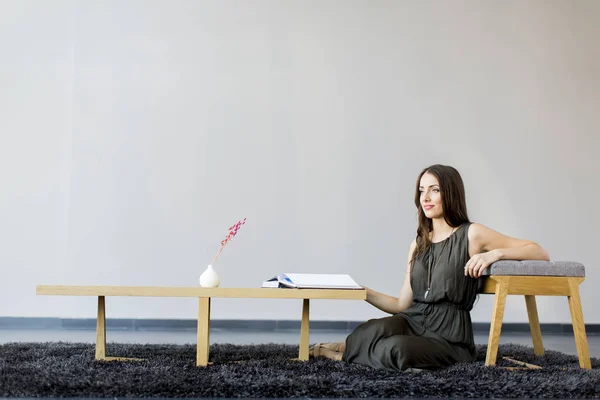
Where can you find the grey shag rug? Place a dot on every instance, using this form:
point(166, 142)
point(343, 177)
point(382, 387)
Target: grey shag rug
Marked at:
point(69, 370)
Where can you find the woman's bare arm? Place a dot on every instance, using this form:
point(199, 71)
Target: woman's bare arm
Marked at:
point(493, 246)
point(391, 304)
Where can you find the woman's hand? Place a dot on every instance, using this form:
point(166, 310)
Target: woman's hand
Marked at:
point(479, 262)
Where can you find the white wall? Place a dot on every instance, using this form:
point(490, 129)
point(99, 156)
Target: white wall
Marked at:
point(133, 133)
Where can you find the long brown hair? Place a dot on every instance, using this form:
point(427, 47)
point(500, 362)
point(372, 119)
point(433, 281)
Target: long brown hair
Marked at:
point(454, 205)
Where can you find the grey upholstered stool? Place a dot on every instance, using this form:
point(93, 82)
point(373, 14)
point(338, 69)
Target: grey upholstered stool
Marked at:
point(535, 278)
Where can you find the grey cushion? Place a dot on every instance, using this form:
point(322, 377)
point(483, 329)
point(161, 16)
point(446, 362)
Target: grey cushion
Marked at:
point(535, 268)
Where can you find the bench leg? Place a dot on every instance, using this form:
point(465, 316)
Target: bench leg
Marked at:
point(101, 330)
point(304, 331)
point(578, 324)
point(534, 325)
point(496, 326)
point(101, 335)
point(203, 344)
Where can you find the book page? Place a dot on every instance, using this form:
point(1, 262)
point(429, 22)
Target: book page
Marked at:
point(344, 281)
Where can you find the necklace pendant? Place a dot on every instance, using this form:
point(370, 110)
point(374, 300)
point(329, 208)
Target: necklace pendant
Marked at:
point(426, 293)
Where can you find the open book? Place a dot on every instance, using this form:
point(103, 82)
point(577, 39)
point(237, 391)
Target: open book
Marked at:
point(312, 281)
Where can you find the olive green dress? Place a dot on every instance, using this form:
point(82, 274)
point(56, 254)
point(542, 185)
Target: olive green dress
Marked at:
point(436, 331)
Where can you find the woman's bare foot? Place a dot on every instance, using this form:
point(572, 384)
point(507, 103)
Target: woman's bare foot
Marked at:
point(339, 347)
point(320, 351)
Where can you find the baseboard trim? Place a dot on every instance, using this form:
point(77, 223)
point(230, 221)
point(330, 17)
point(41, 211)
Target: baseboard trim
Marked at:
point(127, 324)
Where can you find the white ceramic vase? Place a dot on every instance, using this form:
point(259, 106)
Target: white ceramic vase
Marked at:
point(209, 277)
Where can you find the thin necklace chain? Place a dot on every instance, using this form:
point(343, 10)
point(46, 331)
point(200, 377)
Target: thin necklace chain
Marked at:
point(436, 261)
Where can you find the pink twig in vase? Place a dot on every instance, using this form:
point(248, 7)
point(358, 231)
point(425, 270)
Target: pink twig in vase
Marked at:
point(232, 232)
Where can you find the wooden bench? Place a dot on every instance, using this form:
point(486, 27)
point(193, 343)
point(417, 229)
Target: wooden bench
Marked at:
point(532, 278)
point(204, 296)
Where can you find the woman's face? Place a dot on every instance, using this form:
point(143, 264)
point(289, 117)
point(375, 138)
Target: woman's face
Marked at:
point(431, 199)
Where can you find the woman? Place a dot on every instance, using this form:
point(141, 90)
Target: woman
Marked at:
point(430, 326)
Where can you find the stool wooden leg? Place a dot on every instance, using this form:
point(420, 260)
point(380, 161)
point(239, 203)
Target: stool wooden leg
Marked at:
point(203, 345)
point(304, 331)
point(101, 330)
point(496, 326)
point(578, 324)
point(534, 325)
